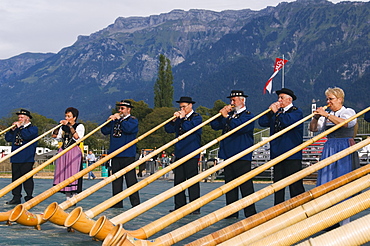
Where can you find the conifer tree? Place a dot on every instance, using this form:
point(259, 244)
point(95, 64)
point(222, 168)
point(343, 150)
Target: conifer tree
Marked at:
point(163, 88)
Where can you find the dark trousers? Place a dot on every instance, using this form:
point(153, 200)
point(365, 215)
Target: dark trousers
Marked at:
point(284, 169)
point(119, 163)
point(233, 171)
point(183, 172)
point(18, 170)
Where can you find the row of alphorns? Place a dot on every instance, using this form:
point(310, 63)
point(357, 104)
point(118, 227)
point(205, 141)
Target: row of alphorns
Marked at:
point(112, 232)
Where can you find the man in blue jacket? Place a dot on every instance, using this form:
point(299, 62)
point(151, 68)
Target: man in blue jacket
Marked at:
point(22, 162)
point(232, 116)
point(122, 130)
point(186, 119)
point(282, 115)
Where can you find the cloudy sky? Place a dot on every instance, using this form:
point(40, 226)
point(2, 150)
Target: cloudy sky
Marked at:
point(50, 25)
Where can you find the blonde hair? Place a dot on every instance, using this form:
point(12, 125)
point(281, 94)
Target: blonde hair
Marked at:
point(336, 91)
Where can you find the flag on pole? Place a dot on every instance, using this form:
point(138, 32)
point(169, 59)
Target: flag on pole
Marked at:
point(279, 63)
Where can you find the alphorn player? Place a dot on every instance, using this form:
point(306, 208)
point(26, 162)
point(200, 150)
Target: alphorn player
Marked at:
point(337, 140)
point(186, 119)
point(231, 117)
point(283, 114)
point(71, 162)
point(22, 162)
point(123, 129)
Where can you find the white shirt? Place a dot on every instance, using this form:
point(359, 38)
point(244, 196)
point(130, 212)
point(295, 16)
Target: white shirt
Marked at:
point(343, 113)
point(188, 115)
point(80, 131)
point(240, 110)
point(287, 107)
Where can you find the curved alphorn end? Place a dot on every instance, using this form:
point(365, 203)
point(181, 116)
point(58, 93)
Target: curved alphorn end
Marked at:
point(139, 233)
point(55, 214)
point(127, 240)
point(78, 220)
point(101, 228)
point(4, 216)
point(114, 236)
point(24, 217)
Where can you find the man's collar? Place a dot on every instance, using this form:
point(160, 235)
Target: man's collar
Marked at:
point(25, 125)
point(288, 107)
point(240, 110)
point(188, 115)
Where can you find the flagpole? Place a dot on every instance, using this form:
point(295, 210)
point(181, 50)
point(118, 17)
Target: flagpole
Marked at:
point(282, 79)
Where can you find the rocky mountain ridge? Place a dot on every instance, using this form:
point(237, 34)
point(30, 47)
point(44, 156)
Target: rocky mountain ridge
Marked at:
point(211, 53)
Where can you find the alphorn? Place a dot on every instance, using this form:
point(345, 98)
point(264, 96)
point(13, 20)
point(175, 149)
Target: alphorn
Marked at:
point(60, 216)
point(85, 221)
point(103, 225)
point(7, 129)
point(317, 222)
point(54, 210)
point(197, 225)
point(29, 143)
point(300, 213)
point(4, 216)
point(77, 214)
point(354, 233)
point(253, 221)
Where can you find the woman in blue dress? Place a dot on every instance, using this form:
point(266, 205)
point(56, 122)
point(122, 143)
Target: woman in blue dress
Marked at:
point(339, 139)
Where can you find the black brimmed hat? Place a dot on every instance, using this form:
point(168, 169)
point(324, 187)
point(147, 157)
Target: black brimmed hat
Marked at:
point(126, 103)
point(185, 100)
point(288, 92)
point(24, 112)
point(237, 93)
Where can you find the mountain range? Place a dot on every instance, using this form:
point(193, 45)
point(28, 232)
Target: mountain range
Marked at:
point(211, 53)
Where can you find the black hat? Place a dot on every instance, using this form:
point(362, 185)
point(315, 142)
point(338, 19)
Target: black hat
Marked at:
point(237, 93)
point(126, 103)
point(185, 100)
point(288, 92)
point(24, 112)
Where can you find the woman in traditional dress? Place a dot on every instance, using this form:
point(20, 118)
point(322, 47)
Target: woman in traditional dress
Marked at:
point(338, 140)
point(71, 162)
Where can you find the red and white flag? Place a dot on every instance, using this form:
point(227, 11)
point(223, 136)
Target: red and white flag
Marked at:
point(279, 63)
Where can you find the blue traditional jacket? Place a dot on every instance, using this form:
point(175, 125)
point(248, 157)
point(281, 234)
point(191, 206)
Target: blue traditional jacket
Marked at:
point(121, 132)
point(289, 140)
point(19, 137)
point(191, 142)
point(238, 141)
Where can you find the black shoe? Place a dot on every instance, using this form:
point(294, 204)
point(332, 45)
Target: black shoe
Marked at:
point(14, 202)
point(332, 227)
point(232, 217)
point(171, 210)
point(195, 212)
point(118, 205)
point(27, 198)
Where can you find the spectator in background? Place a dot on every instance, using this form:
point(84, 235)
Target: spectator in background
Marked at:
point(90, 159)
